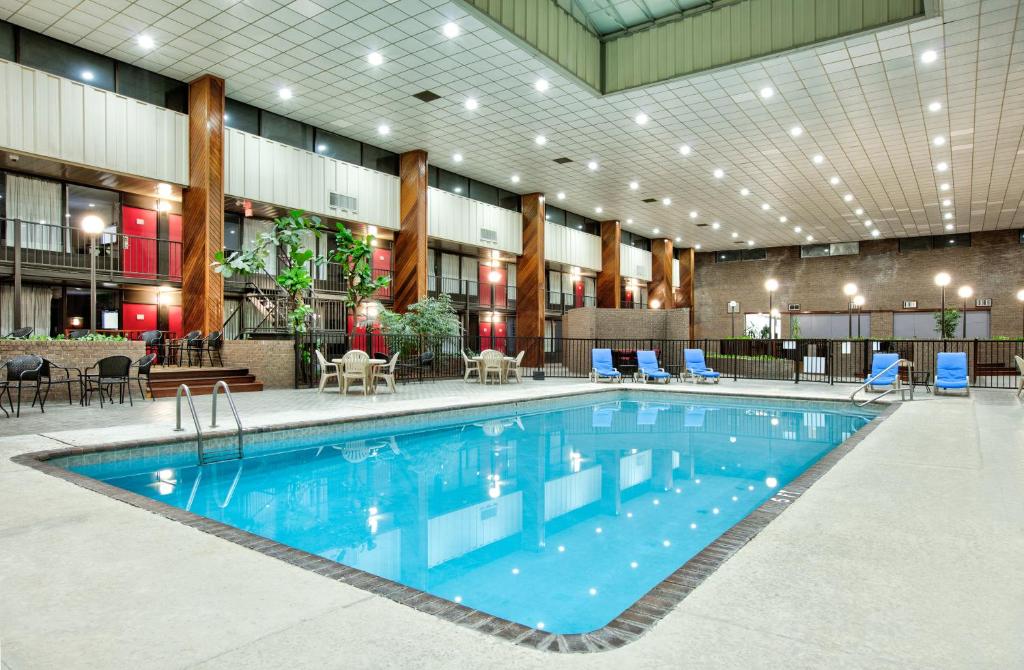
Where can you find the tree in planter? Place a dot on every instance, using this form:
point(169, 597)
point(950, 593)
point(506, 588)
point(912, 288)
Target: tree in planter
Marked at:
point(432, 320)
point(946, 323)
point(354, 255)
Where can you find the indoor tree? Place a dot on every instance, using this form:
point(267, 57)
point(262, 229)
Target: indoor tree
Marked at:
point(432, 320)
point(946, 323)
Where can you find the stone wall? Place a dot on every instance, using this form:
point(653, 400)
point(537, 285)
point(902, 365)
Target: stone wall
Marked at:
point(993, 265)
point(272, 361)
point(71, 354)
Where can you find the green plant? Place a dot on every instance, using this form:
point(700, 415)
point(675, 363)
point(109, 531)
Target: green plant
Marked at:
point(432, 319)
point(794, 328)
point(355, 257)
point(946, 323)
point(91, 337)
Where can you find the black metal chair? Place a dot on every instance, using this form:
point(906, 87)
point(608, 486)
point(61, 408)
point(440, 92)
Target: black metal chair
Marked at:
point(425, 361)
point(78, 334)
point(109, 371)
point(213, 344)
point(143, 367)
point(178, 349)
point(20, 333)
point(24, 370)
point(153, 339)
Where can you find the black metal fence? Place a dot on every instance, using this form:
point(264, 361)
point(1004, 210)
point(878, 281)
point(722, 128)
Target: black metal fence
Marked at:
point(990, 362)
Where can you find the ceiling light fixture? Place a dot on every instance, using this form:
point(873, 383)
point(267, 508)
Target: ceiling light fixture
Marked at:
point(163, 189)
point(949, 226)
point(809, 238)
point(744, 192)
point(947, 216)
point(750, 243)
point(935, 106)
point(848, 197)
point(947, 202)
point(693, 214)
point(767, 92)
point(867, 223)
point(560, 195)
point(540, 140)
point(541, 85)
point(599, 209)
point(939, 140)
point(783, 219)
point(859, 211)
point(679, 239)
point(929, 56)
point(796, 131)
point(383, 129)
point(697, 246)
point(451, 30)
point(515, 179)
point(797, 229)
point(641, 119)
point(374, 58)
point(666, 201)
point(818, 159)
point(718, 173)
point(145, 41)
point(875, 232)
point(685, 149)
point(656, 231)
point(629, 220)
point(457, 158)
point(471, 104)
point(765, 206)
point(634, 185)
point(716, 225)
point(834, 180)
point(284, 93)
point(734, 234)
point(942, 166)
point(943, 187)
point(592, 165)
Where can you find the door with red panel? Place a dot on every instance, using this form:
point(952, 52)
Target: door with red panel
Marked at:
point(138, 318)
point(499, 333)
point(493, 284)
point(578, 293)
point(138, 247)
point(382, 268)
point(174, 330)
point(174, 246)
point(486, 339)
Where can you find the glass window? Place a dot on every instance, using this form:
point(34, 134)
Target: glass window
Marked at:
point(65, 60)
point(592, 227)
point(453, 183)
point(432, 177)
point(483, 192)
point(83, 201)
point(947, 241)
point(555, 215)
point(232, 232)
point(915, 244)
point(151, 87)
point(6, 41)
point(337, 146)
point(814, 250)
point(755, 254)
point(728, 256)
point(379, 159)
point(241, 116)
point(286, 131)
point(509, 200)
point(574, 221)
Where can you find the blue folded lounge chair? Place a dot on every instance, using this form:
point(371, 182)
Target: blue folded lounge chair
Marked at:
point(697, 369)
point(880, 375)
point(601, 366)
point(951, 371)
point(648, 368)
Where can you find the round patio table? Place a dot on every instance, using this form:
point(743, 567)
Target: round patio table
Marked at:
point(368, 371)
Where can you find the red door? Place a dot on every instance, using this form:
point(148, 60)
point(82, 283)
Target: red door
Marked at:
point(486, 341)
point(496, 288)
point(500, 331)
point(382, 268)
point(174, 322)
point(138, 318)
point(138, 249)
point(174, 246)
point(578, 292)
point(358, 335)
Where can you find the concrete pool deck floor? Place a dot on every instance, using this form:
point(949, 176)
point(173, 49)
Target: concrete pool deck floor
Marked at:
point(906, 554)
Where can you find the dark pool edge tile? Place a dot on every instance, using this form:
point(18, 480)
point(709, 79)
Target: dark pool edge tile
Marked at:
point(630, 625)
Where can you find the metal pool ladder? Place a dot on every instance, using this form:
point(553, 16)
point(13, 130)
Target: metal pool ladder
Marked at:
point(898, 386)
point(204, 456)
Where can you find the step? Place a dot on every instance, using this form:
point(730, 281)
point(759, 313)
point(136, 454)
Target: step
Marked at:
point(202, 381)
point(197, 373)
point(241, 387)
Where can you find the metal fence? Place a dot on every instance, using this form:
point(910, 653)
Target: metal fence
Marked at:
point(990, 362)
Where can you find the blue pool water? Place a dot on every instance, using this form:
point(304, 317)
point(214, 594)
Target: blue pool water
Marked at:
point(559, 519)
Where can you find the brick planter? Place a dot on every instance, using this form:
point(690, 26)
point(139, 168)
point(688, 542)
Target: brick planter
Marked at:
point(69, 353)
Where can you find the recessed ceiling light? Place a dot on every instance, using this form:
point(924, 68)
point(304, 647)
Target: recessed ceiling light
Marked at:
point(541, 85)
point(859, 211)
point(560, 195)
point(949, 226)
point(818, 159)
point(515, 179)
point(88, 75)
point(718, 173)
point(834, 180)
point(598, 209)
point(592, 165)
point(867, 222)
point(641, 118)
point(383, 129)
point(796, 131)
point(810, 238)
point(943, 187)
point(374, 58)
point(750, 243)
point(939, 140)
point(656, 231)
point(767, 92)
point(145, 41)
point(797, 229)
point(693, 214)
point(935, 106)
point(929, 56)
point(765, 206)
point(629, 220)
point(540, 140)
point(942, 166)
point(697, 246)
point(679, 239)
point(321, 148)
point(685, 149)
point(848, 197)
point(451, 30)
point(92, 204)
point(634, 185)
point(783, 219)
point(744, 192)
point(458, 189)
point(716, 225)
point(947, 216)
point(471, 104)
point(947, 202)
point(734, 234)
point(163, 189)
point(666, 201)
point(457, 158)
point(875, 232)
point(284, 93)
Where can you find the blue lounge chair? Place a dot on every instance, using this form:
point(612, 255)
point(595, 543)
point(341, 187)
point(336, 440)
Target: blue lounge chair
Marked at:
point(648, 368)
point(951, 371)
point(697, 369)
point(880, 376)
point(601, 366)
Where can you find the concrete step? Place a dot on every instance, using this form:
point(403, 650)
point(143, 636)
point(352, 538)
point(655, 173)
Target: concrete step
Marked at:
point(245, 384)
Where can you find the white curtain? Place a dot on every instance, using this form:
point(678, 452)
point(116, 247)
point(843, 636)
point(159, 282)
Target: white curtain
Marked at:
point(449, 273)
point(430, 264)
point(38, 202)
point(511, 268)
point(589, 287)
point(555, 287)
point(470, 274)
point(253, 228)
point(35, 308)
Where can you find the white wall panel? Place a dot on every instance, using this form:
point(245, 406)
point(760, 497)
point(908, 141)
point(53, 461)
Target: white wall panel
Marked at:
point(675, 273)
point(571, 246)
point(452, 217)
point(635, 263)
point(260, 169)
point(46, 115)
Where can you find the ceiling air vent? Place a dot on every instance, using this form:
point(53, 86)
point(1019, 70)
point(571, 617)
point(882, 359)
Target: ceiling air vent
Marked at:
point(563, 160)
point(701, 225)
point(488, 235)
point(650, 200)
point(426, 96)
point(345, 203)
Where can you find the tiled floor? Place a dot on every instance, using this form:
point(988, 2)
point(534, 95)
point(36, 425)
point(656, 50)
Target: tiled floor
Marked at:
point(905, 555)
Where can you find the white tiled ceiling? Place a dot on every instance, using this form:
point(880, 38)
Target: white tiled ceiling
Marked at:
point(862, 102)
point(605, 17)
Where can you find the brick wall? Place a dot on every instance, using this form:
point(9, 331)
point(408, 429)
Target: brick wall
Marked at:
point(272, 361)
point(591, 322)
point(72, 354)
point(993, 266)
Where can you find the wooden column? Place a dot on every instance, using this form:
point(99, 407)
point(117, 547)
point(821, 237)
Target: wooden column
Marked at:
point(202, 234)
point(410, 256)
point(660, 288)
point(530, 284)
point(684, 294)
point(609, 279)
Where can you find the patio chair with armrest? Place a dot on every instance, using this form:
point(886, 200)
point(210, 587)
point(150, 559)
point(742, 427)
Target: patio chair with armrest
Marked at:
point(328, 371)
point(78, 333)
point(491, 363)
point(648, 368)
point(109, 371)
point(353, 370)
point(514, 367)
point(472, 367)
point(951, 372)
point(143, 367)
point(1020, 373)
point(20, 333)
point(386, 373)
point(24, 370)
point(213, 344)
point(601, 366)
point(884, 370)
point(697, 369)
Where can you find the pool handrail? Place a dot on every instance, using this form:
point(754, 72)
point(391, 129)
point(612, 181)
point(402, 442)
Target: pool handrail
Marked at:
point(195, 416)
point(872, 380)
point(221, 384)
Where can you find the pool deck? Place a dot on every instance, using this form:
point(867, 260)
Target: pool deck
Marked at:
point(907, 554)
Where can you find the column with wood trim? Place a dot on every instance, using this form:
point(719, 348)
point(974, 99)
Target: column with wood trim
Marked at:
point(410, 251)
point(684, 294)
point(530, 282)
point(202, 233)
point(609, 279)
point(659, 291)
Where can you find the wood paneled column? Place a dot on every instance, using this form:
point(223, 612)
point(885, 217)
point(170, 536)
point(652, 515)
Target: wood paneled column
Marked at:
point(684, 294)
point(609, 279)
point(660, 288)
point(410, 256)
point(202, 234)
point(530, 281)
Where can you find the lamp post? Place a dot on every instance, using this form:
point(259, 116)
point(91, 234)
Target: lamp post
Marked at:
point(942, 281)
point(1020, 296)
point(92, 226)
point(965, 292)
point(858, 301)
point(849, 291)
point(771, 285)
point(733, 307)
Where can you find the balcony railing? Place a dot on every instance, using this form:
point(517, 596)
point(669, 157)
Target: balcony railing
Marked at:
point(563, 302)
point(48, 246)
point(470, 294)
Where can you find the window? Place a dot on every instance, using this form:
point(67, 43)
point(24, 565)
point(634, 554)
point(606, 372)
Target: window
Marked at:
point(83, 201)
point(948, 241)
point(755, 254)
point(555, 215)
point(634, 240)
point(286, 131)
point(232, 232)
point(379, 159)
point(453, 183)
point(509, 200)
point(483, 192)
point(7, 51)
point(728, 256)
point(915, 244)
point(241, 116)
point(65, 60)
point(153, 88)
point(835, 249)
point(337, 147)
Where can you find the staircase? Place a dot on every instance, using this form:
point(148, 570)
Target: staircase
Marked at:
point(165, 381)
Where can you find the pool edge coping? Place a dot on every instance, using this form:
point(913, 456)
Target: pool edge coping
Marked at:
point(627, 627)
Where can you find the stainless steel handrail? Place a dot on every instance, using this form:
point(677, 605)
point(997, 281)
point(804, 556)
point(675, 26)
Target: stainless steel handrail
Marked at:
point(221, 384)
point(195, 417)
point(872, 378)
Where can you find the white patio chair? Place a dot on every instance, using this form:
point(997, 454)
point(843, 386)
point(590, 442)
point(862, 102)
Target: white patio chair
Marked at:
point(472, 367)
point(386, 373)
point(491, 362)
point(515, 368)
point(327, 371)
point(353, 370)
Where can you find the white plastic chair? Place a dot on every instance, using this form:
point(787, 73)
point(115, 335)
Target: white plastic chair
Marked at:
point(1020, 369)
point(491, 363)
point(353, 370)
point(514, 368)
point(471, 367)
point(327, 370)
point(386, 373)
